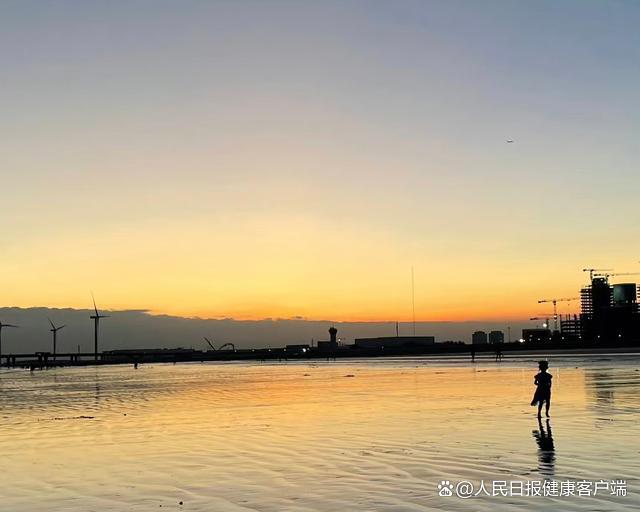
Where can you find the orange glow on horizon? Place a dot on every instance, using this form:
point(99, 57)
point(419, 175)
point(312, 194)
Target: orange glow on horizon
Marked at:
point(281, 267)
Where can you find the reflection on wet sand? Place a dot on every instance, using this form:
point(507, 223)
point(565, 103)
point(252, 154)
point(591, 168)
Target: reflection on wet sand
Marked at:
point(546, 449)
point(305, 437)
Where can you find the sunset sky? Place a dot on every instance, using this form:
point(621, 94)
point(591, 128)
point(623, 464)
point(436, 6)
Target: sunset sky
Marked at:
point(285, 159)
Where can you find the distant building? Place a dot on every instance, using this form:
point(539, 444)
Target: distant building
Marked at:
point(609, 313)
point(597, 297)
point(496, 337)
point(332, 344)
point(624, 294)
point(536, 335)
point(297, 349)
point(570, 328)
point(479, 338)
point(395, 341)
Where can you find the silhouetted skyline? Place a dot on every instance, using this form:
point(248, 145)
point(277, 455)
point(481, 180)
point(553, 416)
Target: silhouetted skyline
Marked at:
point(139, 329)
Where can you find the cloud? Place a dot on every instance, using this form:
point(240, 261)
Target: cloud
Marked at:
point(141, 329)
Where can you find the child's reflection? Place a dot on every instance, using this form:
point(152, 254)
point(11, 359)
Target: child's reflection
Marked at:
point(546, 450)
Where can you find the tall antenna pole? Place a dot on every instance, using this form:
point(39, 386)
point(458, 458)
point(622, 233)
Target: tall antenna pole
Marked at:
point(413, 300)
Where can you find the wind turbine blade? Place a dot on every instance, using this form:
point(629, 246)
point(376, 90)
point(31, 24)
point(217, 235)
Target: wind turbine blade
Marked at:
point(94, 304)
point(61, 327)
point(53, 326)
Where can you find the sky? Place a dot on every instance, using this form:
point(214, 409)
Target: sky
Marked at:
point(255, 160)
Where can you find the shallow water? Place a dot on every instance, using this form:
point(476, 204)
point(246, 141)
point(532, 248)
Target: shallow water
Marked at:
point(355, 435)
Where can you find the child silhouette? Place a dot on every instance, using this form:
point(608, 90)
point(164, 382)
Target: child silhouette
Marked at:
point(543, 391)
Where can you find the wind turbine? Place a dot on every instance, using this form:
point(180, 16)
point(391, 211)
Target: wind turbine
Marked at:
point(55, 330)
point(2, 326)
point(96, 322)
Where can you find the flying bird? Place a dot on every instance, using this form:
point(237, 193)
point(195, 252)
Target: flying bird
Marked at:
point(509, 141)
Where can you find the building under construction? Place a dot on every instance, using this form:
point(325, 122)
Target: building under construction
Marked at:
point(609, 313)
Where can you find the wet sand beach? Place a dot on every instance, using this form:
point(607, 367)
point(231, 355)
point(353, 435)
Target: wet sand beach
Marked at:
point(351, 435)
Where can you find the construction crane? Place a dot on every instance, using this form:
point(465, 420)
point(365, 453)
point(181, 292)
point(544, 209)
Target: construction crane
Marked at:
point(611, 274)
point(592, 270)
point(555, 308)
point(209, 343)
point(546, 320)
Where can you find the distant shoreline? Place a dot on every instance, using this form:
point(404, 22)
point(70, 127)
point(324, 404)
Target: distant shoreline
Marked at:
point(556, 351)
point(304, 353)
